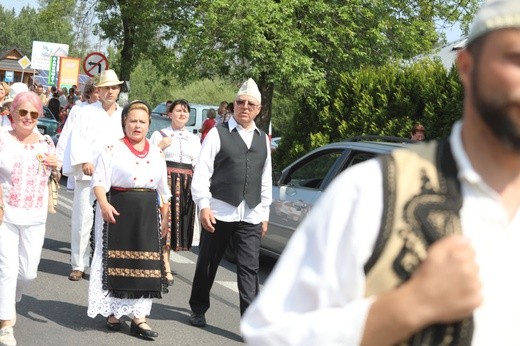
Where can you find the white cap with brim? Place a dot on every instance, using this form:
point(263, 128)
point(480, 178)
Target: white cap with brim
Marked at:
point(495, 15)
point(108, 78)
point(250, 88)
point(15, 89)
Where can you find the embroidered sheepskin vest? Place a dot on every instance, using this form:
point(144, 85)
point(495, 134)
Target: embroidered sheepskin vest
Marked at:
point(422, 201)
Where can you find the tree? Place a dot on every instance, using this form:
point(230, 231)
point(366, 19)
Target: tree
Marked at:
point(134, 27)
point(51, 24)
point(301, 47)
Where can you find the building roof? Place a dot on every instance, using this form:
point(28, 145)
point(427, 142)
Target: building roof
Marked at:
point(446, 54)
point(9, 61)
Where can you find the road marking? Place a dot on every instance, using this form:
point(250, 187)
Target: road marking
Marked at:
point(175, 257)
point(232, 285)
point(60, 203)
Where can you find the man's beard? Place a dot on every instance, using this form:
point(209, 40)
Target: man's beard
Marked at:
point(497, 114)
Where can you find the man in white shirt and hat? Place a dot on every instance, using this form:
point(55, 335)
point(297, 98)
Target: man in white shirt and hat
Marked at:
point(232, 186)
point(96, 126)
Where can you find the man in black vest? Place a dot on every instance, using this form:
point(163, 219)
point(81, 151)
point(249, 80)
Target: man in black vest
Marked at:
point(232, 187)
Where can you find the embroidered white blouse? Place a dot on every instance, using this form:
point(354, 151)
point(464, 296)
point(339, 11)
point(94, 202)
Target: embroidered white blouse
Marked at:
point(118, 166)
point(316, 293)
point(24, 179)
point(185, 146)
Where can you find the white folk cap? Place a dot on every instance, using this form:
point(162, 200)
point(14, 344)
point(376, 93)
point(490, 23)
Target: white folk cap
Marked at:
point(495, 15)
point(250, 88)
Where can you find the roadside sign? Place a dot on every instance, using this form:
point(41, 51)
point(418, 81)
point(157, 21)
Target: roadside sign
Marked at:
point(94, 63)
point(24, 62)
point(53, 70)
point(68, 74)
point(9, 76)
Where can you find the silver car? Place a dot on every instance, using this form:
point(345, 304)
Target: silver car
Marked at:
point(297, 188)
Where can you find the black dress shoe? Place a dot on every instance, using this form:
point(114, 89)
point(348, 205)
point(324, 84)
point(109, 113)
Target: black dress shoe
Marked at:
point(197, 320)
point(114, 326)
point(138, 331)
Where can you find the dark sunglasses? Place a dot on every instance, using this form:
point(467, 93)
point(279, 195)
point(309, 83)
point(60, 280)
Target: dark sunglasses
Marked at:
point(24, 112)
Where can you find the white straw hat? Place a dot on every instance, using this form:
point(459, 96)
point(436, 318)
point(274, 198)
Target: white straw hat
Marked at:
point(108, 78)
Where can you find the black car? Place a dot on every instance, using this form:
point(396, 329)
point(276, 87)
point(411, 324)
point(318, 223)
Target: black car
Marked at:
point(48, 124)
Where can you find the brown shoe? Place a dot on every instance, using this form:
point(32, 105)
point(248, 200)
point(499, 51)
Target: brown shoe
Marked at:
point(76, 275)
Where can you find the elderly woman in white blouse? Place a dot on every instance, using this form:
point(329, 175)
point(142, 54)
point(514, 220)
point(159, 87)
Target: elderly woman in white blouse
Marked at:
point(181, 149)
point(130, 185)
point(27, 159)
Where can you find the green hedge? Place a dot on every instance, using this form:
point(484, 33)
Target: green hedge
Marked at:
point(385, 100)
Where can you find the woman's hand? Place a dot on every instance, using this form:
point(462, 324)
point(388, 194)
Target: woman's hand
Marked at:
point(165, 227)
point(51, 161)
point(108, 212)
point(165, 143)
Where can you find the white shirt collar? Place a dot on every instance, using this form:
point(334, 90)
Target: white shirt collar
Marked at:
point(466, 170)
point(232, 123)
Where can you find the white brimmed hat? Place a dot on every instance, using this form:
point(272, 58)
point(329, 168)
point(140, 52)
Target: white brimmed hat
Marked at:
point(108, 78)
point(15, 89)
point(250, 88)
point(495, 15)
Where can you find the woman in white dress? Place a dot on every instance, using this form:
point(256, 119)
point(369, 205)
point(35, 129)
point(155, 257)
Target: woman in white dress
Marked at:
point(181, 149)
point(130, 185)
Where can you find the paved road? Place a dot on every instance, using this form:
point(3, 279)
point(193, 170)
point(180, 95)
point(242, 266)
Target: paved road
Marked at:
point(53, 311)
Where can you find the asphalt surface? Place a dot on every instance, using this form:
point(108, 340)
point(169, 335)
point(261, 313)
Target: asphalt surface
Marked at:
point(54, 310)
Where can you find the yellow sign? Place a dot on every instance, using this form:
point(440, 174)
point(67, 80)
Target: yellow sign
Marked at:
point(69, 72)
point(24, 62)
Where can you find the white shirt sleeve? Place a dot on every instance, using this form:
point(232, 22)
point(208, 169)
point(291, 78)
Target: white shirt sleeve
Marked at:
point(162, 187)
point(81, 150)
point(156, 137)
point(316, 293)
point(267, 183)
point(102, 175)
point(64, 140)
point(203, 172)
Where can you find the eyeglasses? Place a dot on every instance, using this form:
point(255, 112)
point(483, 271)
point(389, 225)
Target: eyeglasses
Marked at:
point(246, 103)
point(24, 112)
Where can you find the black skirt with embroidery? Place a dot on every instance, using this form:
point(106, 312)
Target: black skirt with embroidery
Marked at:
point(132, 257)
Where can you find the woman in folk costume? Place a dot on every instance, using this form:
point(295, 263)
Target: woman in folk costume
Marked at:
point(130, 185)
point(27, 159)
point(181, 149)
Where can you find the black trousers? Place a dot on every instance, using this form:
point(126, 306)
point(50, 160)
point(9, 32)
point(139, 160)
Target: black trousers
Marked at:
point(246, 240)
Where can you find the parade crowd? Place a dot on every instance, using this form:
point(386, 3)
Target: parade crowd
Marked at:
point(416, 247)
point(141, 197)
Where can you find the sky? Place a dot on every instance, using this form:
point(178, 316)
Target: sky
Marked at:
point(452, 34)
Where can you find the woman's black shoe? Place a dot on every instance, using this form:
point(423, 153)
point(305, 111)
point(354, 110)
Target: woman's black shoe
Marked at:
point(138, 331)
point(115, 326)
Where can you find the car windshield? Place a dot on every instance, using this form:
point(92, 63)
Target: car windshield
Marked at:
point(160, 109)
